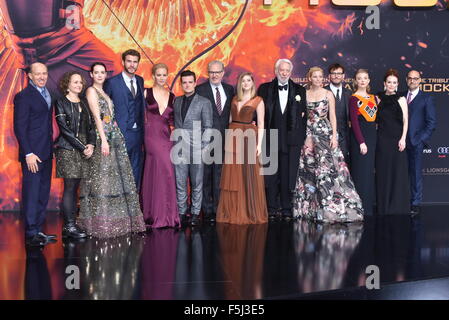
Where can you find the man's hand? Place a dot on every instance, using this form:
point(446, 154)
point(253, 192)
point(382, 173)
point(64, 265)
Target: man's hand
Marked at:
point(32, 161)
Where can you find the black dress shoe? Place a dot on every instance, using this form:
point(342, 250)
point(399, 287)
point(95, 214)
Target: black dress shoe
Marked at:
point(36, 241)
point(184, 219)
point(71, 231)
point(414, 211)
point(272, 214)
point(195, 220)
point(46, 236)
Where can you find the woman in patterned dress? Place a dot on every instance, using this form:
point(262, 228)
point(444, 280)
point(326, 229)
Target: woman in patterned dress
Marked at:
point(324, 189)
point(109, 201)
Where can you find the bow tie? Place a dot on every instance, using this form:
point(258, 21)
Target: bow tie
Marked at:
point(284, 87)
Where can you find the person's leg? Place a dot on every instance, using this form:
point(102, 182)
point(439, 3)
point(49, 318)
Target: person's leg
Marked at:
point(135, 154)
point(196, 177)
point(208, 184)
point(30, 198)
point(181, 173)
point(69, 209)
point(285, 193)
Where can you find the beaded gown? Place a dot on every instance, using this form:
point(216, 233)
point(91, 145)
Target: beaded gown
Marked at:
point(324, 189)
point(109, 203)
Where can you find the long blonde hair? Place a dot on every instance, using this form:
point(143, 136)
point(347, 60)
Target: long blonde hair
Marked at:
point(240, 89)
point(354, 81)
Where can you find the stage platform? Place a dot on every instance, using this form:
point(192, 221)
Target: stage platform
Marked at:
point(278, 260)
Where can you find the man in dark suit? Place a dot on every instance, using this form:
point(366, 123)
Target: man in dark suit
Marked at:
point(421, 124)
point(285, 111)
point(33, 130)
point(220, 95)
point(192, 113)
point(126, 91)
point(342, 95)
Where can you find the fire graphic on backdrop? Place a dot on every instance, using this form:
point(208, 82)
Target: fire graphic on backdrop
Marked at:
point(243, 34)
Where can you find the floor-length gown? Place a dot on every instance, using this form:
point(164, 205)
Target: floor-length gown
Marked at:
point(363, 111)
point(392, 182)
point(109, 204)
point(158, 193)
point(324, 189)
point(242, 189)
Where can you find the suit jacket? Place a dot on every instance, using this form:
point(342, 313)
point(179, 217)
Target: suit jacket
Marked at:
point(345, 96)
point(421, 119)
point(116, 88)
point(200, 109)
point(296, 122)
point(220, 122)
point(33, 124)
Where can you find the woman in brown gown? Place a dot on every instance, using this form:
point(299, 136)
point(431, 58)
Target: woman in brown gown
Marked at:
point(242, 190)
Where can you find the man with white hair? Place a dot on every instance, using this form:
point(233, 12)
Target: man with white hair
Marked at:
point(285, 111)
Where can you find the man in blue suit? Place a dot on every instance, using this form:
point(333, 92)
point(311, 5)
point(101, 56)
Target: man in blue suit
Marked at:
point(421, 124)
point(33, 130)
point(126, 91)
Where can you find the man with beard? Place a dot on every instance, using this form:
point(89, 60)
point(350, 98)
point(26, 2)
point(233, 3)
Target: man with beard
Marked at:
point(126, 91)
point(285, 108)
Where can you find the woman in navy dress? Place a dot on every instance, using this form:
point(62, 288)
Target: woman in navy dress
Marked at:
point(158, 193)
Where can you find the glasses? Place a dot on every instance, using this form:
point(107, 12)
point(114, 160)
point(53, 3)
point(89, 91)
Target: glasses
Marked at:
point(215, 72)
point(413, 79)
point(337, 73)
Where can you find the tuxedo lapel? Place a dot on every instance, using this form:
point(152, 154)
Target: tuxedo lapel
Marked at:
point(210, 95)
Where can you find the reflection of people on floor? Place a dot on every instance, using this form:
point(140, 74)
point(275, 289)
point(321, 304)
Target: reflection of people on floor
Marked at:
point(109, 268)
point(159, 264)
point(323, 253)
point(190, 267)
point(37, 278)
point(242, 250)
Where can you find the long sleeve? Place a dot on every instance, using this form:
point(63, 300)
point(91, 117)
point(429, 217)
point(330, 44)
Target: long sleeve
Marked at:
point(21, 121)
point(430, 119)
point(353, 114)
point(65, 131)
point(206, 122)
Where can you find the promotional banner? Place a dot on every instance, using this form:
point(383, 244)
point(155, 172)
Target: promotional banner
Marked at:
point(245, 35)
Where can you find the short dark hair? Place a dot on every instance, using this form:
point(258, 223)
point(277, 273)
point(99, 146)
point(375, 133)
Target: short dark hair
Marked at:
point(335, 66)
point(65, 80)
point(98, 64)
point(187, 73)
point(131, 52)
point(30, 67)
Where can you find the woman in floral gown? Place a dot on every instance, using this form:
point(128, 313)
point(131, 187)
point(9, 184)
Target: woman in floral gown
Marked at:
point(109, 204)
point(324, 189)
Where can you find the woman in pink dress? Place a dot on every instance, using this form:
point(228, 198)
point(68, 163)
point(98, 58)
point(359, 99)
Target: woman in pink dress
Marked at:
point(158, 193)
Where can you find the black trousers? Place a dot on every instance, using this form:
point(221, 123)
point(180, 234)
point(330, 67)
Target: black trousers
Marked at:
point(279, 196)
point(211, 188)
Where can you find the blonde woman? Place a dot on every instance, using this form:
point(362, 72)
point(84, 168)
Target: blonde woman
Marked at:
point(324, 189)
point(242, 195)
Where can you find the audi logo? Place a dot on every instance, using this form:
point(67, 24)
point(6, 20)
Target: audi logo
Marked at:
point(443, 150)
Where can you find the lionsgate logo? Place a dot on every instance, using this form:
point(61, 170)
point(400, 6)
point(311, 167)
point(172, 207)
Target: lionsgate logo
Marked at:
point(197, 145)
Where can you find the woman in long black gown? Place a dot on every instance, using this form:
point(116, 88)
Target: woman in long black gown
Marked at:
point(392, 182)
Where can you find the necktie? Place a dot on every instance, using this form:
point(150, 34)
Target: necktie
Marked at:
point(409, 98)
point(133, 90)
point(338, 94)
point(284, 87)
point(45, 96)
point(218, 102)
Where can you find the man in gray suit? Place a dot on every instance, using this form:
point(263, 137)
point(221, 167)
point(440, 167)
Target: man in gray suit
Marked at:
point(342, 95)
point(193, 121)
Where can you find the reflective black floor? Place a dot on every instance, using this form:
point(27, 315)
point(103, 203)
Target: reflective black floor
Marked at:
point(273, 261)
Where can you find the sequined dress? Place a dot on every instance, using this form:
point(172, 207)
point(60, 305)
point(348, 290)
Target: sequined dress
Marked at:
point(109, 203)
point(324, 189)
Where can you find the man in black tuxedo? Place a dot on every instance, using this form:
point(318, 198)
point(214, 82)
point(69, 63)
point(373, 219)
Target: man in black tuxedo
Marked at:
point(285, 111)
point(342, 96)
point(220, 95)
point(33, 130)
